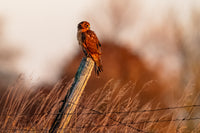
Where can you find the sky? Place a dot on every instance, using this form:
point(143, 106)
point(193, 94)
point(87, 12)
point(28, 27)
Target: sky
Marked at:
point(46, 29)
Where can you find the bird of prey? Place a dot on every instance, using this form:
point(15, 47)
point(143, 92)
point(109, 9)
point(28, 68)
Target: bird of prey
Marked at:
point(90, 44)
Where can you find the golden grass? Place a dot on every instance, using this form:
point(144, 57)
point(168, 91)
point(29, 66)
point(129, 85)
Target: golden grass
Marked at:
point(108, 109)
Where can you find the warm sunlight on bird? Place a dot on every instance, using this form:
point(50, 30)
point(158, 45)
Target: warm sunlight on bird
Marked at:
point(90, 44)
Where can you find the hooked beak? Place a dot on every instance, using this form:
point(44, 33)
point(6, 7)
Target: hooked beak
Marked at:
point(88, 27)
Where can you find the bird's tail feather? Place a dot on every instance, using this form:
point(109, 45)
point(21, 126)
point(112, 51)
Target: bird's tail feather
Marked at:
point(98, 69)
point(98, 65)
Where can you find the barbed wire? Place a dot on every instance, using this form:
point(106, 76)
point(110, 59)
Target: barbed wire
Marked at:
point(113, 112)
point(140, 122)
point(128, 124)
point(119, 122)
point(107, 125)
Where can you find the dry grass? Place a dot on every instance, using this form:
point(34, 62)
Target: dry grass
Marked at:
point(106, 110)
point(30, 110)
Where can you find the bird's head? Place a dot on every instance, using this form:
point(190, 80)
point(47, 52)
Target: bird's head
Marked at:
point(83, 26)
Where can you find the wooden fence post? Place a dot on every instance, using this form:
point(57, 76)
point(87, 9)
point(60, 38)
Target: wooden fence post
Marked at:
point(73, 95)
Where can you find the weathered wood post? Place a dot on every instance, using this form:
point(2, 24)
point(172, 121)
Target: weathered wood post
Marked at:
point(73, 95)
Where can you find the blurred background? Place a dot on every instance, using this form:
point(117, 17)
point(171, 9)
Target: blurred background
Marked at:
point(154, 44)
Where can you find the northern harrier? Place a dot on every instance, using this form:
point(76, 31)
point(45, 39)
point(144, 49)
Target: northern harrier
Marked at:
point(90, 44)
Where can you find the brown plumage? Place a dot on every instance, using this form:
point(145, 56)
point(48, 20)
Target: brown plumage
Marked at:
point(90, 44)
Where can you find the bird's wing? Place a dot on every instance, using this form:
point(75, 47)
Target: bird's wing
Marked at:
point(91, 42)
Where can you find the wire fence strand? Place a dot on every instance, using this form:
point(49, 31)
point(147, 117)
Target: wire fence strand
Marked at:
point(113, 112)
point(109, 125)
point(128, 124)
